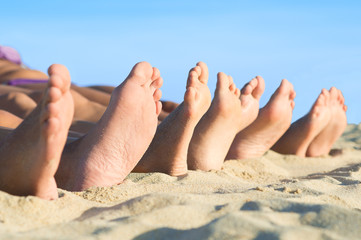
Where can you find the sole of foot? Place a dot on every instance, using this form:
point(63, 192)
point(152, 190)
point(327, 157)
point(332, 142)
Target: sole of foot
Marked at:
point(32, 152)
point(271, 123)
point(229, 113)
point(168, 150)
point(323, 142)
point(301, 133)
point(108, 153)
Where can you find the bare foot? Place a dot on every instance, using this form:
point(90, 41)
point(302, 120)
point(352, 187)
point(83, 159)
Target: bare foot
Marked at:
point(272, 122)
point(168, 150)
point(30, 155)
point(107, 154)
point(301, 133)
point(323, 142)
point(229, 113)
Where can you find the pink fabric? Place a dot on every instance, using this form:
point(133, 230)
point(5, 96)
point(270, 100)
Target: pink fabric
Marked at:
point(10, 54)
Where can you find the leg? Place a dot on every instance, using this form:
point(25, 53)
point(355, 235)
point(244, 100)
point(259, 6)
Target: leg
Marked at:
point(23, 73)
point(229, 113)
point(323, 142)
point(107, 154)
point(84, 109)
point(9, 120)
point(17, 103)
point(5, 89)
point(106, 89)
point(93, 95)
point(82, 127)
point(167, 108)
point(168, 151)
point(30, 169)
point(272, 122)
point(298, 137)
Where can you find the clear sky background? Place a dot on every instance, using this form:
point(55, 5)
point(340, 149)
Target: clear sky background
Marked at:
point(313, 44)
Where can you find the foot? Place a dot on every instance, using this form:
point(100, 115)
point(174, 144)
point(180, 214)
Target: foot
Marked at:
point(168, 150)
point(30, 155)
point(323, 142)
point(107, 154)
point(230, 112)
point(272, 122)
point(301, 133)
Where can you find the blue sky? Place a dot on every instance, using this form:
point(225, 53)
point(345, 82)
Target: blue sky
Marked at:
point(313, 44)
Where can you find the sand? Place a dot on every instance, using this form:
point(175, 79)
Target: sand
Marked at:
point(272, 197)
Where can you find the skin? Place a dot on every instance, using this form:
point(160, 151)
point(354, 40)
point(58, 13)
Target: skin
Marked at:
point(194, 127)
point(30, 170)
point(271, 123)
point(231, 111)
point(90, 102)
point(111, 149)
point(301, 133)
point(322, 143)
point(178, 128)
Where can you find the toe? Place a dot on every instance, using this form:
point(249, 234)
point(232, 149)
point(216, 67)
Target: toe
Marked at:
point(259, 89)
point(326, 95)
point(247, 88)
point(333, 93)
point(293, 94)
point(204, 74)
point(53, 94)
point(222, 81)
point(57, 81)
point(158, 107)
point(321, 100)
point(196, 69)
point(157, 95)
point(59, 77)
point(141, 72)
point(342, 97)
point(156, 73)
point(293, 104)
point(285, 87)
point(48, 111)
point(156, 84)
point(237, 92)
point(192, 78)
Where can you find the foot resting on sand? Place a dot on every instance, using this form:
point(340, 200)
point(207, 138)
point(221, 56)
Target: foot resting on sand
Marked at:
point(299, 136)
point(107, 154)
point(168, 150)
point(231, 111)
point(30, 155)
point(272, 122)
point(322, 143)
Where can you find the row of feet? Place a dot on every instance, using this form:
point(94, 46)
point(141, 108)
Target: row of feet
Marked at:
point(200, 133)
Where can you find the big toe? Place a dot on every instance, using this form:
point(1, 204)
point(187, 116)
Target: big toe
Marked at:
point(333, 94)
point(141, 72)
point(286, 89)
point(223, 82)
point(323, 98)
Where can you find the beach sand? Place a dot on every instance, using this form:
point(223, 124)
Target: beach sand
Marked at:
point(272, 197)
